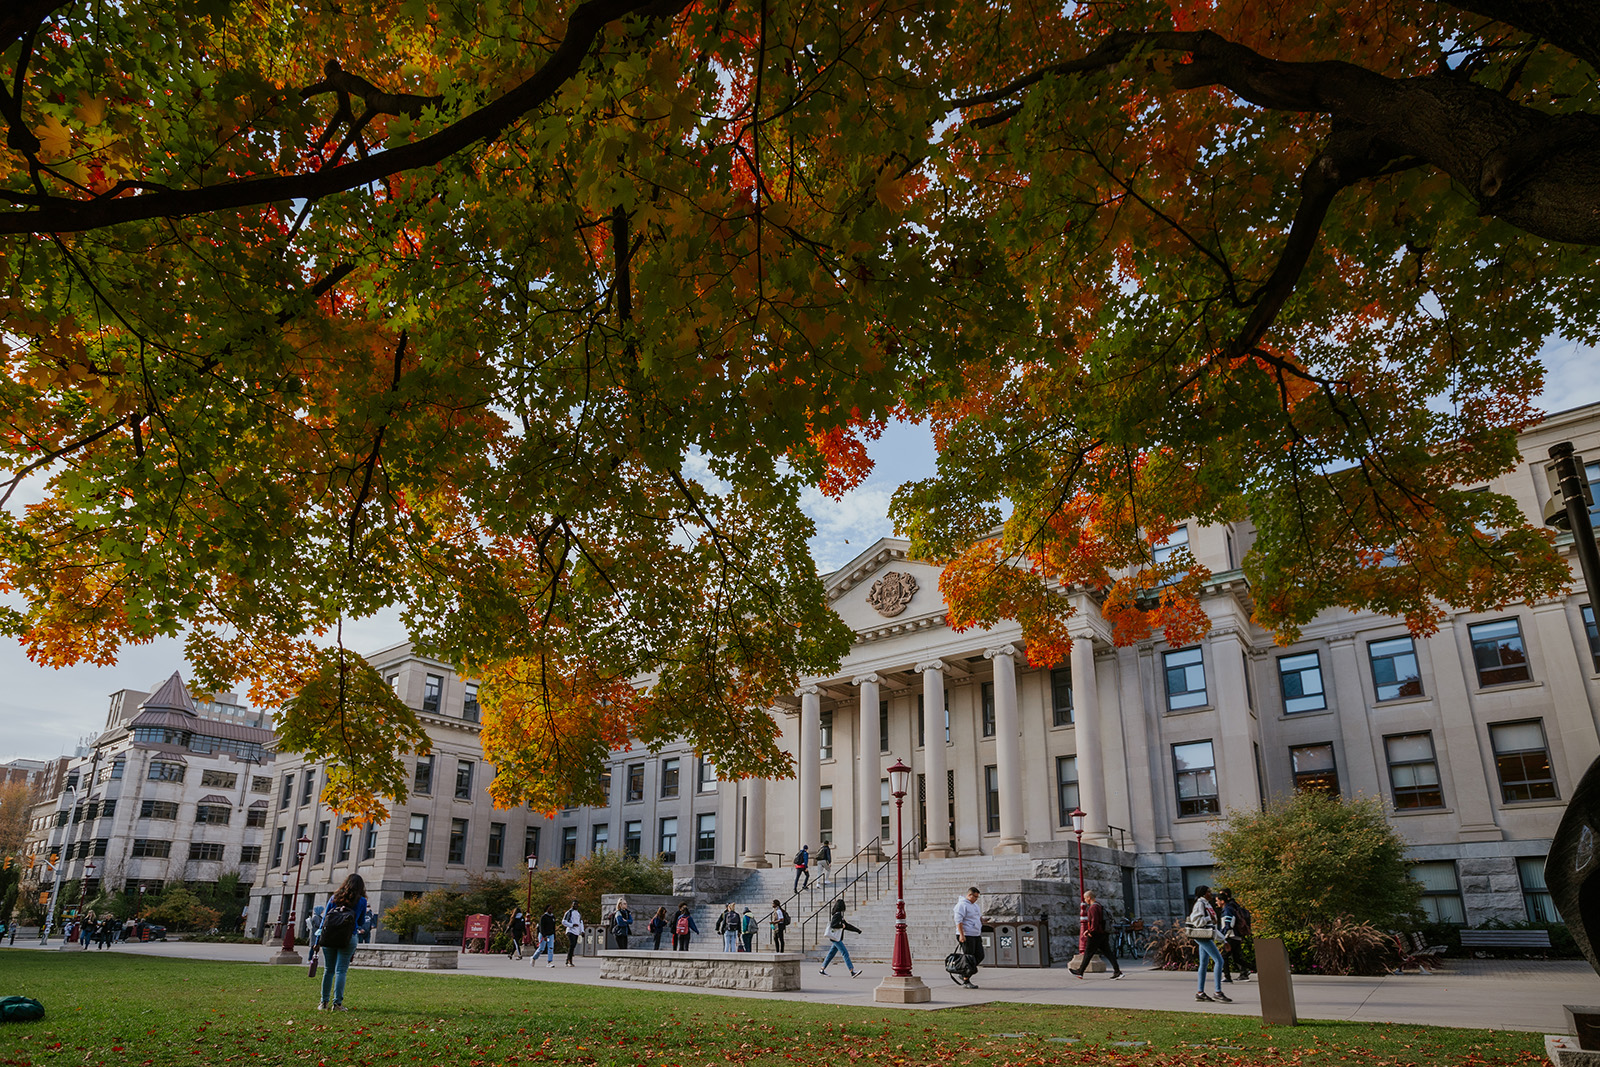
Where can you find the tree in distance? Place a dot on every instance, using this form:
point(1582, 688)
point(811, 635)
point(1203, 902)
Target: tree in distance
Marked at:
point(534, 323)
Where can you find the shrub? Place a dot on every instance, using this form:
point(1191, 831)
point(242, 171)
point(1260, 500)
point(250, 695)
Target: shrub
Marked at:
point(1344, 947)
point(1170, 949)
point(179, 909)
point(1313, 859)
point(404, 916)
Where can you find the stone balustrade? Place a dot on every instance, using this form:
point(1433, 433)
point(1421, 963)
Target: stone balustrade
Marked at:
point(408, 957)
point(769, 972)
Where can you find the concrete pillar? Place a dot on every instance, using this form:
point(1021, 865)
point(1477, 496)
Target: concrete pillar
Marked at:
point(868, 764)
point(809, 768)
point(935, 766)
point(1358, 774)
point(1234, 746)
point(967, 762)
point(755, 824)
point(1571, 734)
point(1461, 750)
point(1091, 750)
point(1007, 750)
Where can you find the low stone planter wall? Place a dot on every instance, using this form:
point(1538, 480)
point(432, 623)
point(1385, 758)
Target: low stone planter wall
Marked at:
point(770, 972)
point(410, 957)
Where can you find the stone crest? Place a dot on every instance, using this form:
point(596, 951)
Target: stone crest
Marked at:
point(891, 593)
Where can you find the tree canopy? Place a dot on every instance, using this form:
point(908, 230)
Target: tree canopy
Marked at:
point(533, 321)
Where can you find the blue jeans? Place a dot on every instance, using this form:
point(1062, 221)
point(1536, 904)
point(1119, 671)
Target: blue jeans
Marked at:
point(1209, 954)
point(335, 962)
point(547, 945)
point(838, 949)
point(730, 941)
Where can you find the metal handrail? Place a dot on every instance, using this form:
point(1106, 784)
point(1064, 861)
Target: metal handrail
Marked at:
point(866, 885)
point(815, 886)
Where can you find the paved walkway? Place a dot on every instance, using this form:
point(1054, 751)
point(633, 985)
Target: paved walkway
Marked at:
point(1494, 994)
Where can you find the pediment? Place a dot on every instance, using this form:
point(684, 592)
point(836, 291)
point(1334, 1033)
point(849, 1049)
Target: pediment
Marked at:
point(883, 587)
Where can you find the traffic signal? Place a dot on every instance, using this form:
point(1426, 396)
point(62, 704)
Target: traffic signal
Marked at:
point(30, 862)
point(54, 856)
point(8, 863)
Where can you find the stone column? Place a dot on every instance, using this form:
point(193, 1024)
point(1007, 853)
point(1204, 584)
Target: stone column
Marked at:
point(1359, 772)
point(1007, 749)
point(868, 774)
point(1086, 728)
point(809, 769)
point(1570, 730)
point(935, 768)
point(755, 824)
point(1461, 750)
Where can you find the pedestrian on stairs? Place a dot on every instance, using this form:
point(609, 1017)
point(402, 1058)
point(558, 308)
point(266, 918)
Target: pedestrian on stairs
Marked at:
point(802, 868)
point(836, 928)
point(683, 925)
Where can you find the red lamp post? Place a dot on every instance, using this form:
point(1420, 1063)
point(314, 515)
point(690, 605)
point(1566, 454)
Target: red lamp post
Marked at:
point(300, 848)
point(1078, 818)
point(901, 986)
point(527, 911)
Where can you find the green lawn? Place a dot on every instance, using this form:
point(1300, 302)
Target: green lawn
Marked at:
point(105, 1009)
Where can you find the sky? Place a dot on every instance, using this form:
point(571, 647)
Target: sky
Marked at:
point(47, 712)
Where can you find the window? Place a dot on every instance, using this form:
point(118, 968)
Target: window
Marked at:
point(632, 838)
point(157, 809)
point(215, 814)
point(1522, 760)
point(1195, 877)
point(1301, 679)
point(1066, 788)
point(1186, 678)
point(497, 845)
point(986, 703)
point(991, 798)
point(1413, 771)
point(277, 845)
point(1249, 687)
point(1061, 696)
point(883, 726)
point(161, 771)
point(321, 852)
point(308, 785)
point(369, 846)
point(885, 806)
point(825, 817)
point(255, 817)
point(1162, 553)
point(422, 780)
point(103, 843)
point(394, 682)
point(1394, 668)
point(218, 779)
point(1314, 769)
point(569, 845)
point(1592, 634)
point(669, 777)
point(1195, 770)
point(458, 842)
point(343, 852)
point(825, 734)
point(1591, 474)
point(1497, 652)
point(705, 838)
point(530, 841)
point(1536, 891)
point(432, 690)
point(147, 848)
point(250, 854)
point(261, 783)
point(288, 792)
point(635, 781)
point(599, 837)
point(605, 786)
point(707, 776)
point(922, 722)
point(417, 838)
point(464, 779)
point(121, 763)
point(469, 703)
point(205, 850)
point(668, 847)
point(1441, 892)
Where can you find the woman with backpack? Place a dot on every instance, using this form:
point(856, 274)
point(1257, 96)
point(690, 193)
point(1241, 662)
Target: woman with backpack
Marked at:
point(779, 922)
point(1202, 926)
point(572, 922)
point(682, 926)
point(836, 928)
point(728, 927)
point(345, 914)
point(621, 923)
point(658, 925)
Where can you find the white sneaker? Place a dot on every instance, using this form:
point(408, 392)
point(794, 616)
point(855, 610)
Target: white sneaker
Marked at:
point(552, 963)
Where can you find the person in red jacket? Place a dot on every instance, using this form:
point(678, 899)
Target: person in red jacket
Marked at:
point(1097, 936)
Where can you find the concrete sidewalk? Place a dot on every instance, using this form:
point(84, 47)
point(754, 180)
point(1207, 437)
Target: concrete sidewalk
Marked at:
point(1488, 994)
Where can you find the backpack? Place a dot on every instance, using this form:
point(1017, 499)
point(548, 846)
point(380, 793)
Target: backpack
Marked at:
point(799, 859)
point(20, 1010)
point(338, 923)
point(683, 925)
point(783, 917)
point(747, 924)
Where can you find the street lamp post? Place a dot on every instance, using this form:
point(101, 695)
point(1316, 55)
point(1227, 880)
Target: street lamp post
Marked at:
point(1079, 817)
point(89, 870)
point(527, 910)
point(287, 954)
point(901, 986)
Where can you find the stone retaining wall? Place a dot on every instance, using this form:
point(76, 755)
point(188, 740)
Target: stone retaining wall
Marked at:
point(771, 972)
point(410, 957)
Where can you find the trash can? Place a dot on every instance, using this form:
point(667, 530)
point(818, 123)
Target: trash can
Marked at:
point(1033, 945)
point(1005, 945)
point(986, 938)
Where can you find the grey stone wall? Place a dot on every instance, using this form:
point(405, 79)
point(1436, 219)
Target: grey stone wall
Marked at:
point(771, 972)
point(408, 957)
point(1491, 889)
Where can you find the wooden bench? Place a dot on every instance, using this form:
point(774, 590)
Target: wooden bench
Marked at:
point(1489, 939)
point(768, 972)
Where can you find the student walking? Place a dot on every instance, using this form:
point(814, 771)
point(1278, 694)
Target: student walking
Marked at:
point(547, 937)
point(824, 863)
point(969, 929)
point(1203, 919)
point(518, 929)
point(779, 922)
point(572, 922)
point(747, 929)
point(802, 868)
point(683, 925)
point(837, 925)
point(658, 925)
point(728, 927)
point(1235, 929)
point(337, 934)
point(622, 923)
point(1097, 937)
